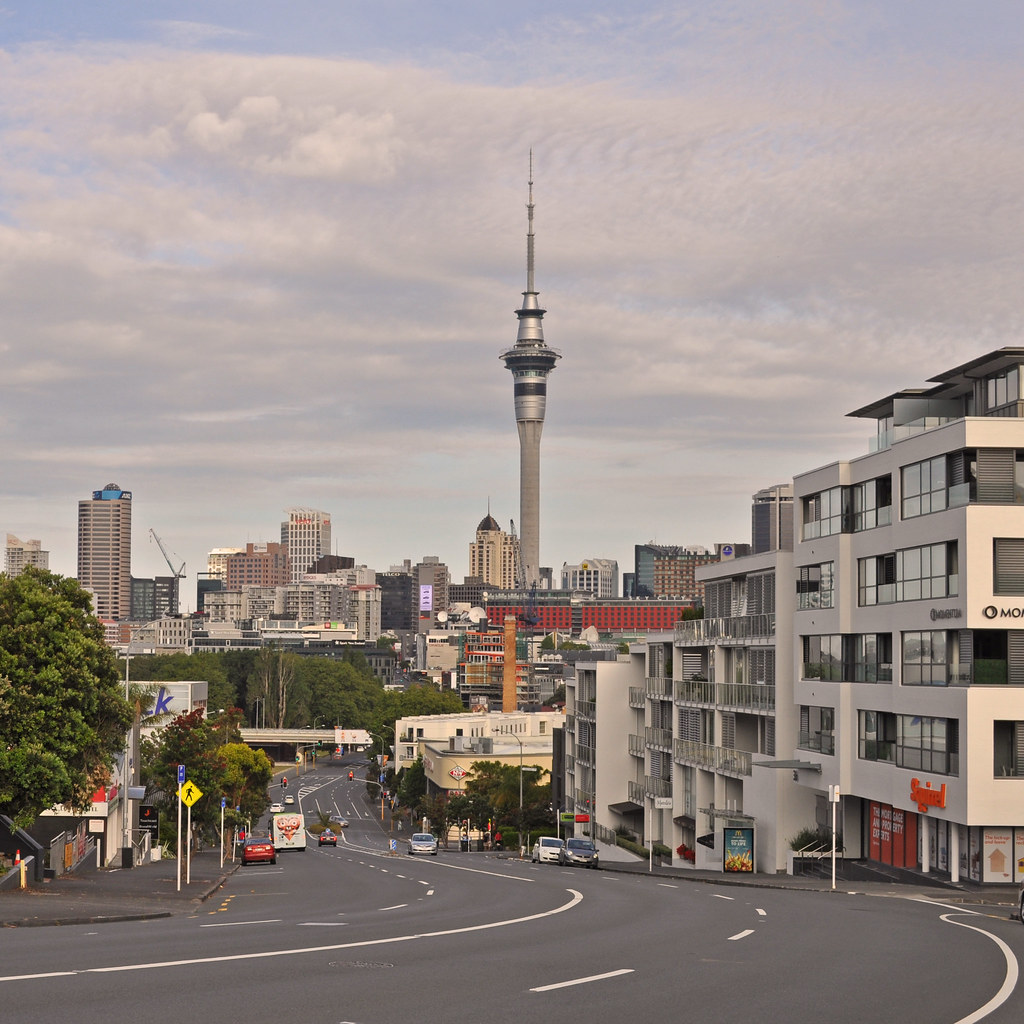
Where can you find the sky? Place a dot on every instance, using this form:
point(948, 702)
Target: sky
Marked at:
point(261, 255)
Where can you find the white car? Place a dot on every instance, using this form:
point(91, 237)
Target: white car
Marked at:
point(547, 848)
point(289, 801)
point(277, 808)
point(423, 842)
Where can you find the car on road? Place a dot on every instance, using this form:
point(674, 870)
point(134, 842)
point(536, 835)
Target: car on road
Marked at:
point(580, 851)
point(548, 849)
point(341, 822)
point(423, 842)
point(328, 838)
point(276, 808)
point(289, 801)
point(257, 850)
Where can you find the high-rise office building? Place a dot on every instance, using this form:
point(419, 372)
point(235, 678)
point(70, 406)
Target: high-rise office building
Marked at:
point(530, 361)
point(306, 536)
point(599, 576)
point(771, 519)
point(22, 553)
point(105, 551)
point(493, 554)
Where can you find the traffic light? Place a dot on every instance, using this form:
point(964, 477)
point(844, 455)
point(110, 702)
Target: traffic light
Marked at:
point(319, 743)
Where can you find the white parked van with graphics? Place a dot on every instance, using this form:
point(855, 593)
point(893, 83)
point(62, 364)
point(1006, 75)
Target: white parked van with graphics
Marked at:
point(289, 832)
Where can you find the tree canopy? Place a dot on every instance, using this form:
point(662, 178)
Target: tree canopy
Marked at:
point(63, 714)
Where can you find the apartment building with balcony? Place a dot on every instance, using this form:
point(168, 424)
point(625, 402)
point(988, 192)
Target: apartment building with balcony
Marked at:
point(883, 656)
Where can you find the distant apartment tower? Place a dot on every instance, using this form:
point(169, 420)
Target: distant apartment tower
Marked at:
point(493, 554)
point(598, 576)
point(432, 580)
point(23, 553)
point(771, 526)
point(259, 565)
point(217, 562)
point(105, 551)
point(664, 570)
point(306, 536)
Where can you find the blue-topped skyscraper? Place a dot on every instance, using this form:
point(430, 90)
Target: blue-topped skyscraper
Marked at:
point(530, 361)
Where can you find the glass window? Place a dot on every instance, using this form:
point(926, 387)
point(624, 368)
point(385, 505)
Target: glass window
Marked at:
point(923, 487)
point(928, 658)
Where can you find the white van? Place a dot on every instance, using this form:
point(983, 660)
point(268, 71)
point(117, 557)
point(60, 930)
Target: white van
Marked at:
point(289, 832)
point(547, 848)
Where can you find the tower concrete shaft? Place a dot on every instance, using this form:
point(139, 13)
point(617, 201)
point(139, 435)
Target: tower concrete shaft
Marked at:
point(530, 361)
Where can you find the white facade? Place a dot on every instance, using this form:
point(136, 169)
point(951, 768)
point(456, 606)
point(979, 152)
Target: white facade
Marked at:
point(306, 535)
point(22, 553)
point(598, 576)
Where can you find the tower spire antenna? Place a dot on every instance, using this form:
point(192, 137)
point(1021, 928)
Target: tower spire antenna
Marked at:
point(530, 361)
point(529, 233)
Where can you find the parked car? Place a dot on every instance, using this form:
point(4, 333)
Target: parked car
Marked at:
point(423, 842)
point(276, 808)
point(256, 850)
point(547, 848)
point(580, 851)
point(328, 838)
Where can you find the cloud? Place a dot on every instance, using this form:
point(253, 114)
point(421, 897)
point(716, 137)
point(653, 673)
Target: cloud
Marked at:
point(284, 279)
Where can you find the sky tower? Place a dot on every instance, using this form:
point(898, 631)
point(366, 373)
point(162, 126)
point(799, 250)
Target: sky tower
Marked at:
point(530, 361)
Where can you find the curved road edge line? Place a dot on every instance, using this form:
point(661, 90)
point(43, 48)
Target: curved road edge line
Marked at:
point(575, 899)
point(1009, 981)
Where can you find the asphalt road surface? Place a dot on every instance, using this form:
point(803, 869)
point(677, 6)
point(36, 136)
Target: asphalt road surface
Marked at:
point(359, 934)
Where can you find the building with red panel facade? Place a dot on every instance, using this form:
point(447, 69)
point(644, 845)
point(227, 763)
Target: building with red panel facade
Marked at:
point(574, 611)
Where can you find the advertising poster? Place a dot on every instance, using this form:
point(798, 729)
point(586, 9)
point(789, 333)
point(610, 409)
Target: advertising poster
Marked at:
point(427, 598)
point(1018, 854)
point(739, 849)
point(997, 862)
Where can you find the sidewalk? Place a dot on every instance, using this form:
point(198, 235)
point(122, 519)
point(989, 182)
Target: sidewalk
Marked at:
point(115, 894)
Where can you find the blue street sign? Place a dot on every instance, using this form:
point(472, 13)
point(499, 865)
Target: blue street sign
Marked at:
point(223, 803)
point(181, 774)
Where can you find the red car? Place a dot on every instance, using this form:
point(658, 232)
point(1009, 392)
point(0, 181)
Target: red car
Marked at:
point(256, 850)
point(328, 837)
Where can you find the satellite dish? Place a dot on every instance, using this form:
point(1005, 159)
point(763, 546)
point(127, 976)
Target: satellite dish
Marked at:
point(442, 616)
point(477, 614)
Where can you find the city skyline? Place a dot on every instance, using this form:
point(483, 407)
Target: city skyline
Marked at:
point(260, 258)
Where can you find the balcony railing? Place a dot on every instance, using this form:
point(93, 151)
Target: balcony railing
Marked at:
point(637, 746)
point(724, 760)
point(637, 697)
point(823, 742)
point(745, 696)
point(657, 787)
point(635, 792)
point(738, 627)
point(655, 737)
point(586, 709)
point(658, 686)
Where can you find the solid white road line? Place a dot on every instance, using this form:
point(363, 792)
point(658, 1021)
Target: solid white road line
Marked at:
point(740, 935)
point(238, 924)
point(582, 981)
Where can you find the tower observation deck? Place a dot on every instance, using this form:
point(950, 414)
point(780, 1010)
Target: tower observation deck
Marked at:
point(530, 362)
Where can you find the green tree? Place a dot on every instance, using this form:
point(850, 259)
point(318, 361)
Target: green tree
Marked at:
point(63, 715)
point(190, 740)
point(412, 786)
point(246, 778)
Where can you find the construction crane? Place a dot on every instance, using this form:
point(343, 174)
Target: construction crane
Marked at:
point(176, 573)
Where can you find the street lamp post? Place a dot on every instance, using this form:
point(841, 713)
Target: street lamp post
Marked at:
point(258, 703)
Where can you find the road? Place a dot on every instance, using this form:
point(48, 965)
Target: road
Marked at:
point(356, 934)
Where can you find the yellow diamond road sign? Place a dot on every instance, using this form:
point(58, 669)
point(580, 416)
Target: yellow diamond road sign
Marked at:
point(189, 793)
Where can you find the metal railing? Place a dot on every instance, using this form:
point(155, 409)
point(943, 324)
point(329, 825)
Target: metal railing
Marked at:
point(736, 627)
point(655, 737)
point(724, 760)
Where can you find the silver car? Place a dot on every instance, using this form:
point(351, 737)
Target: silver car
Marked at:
point(580, 851)
point(423, 842)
